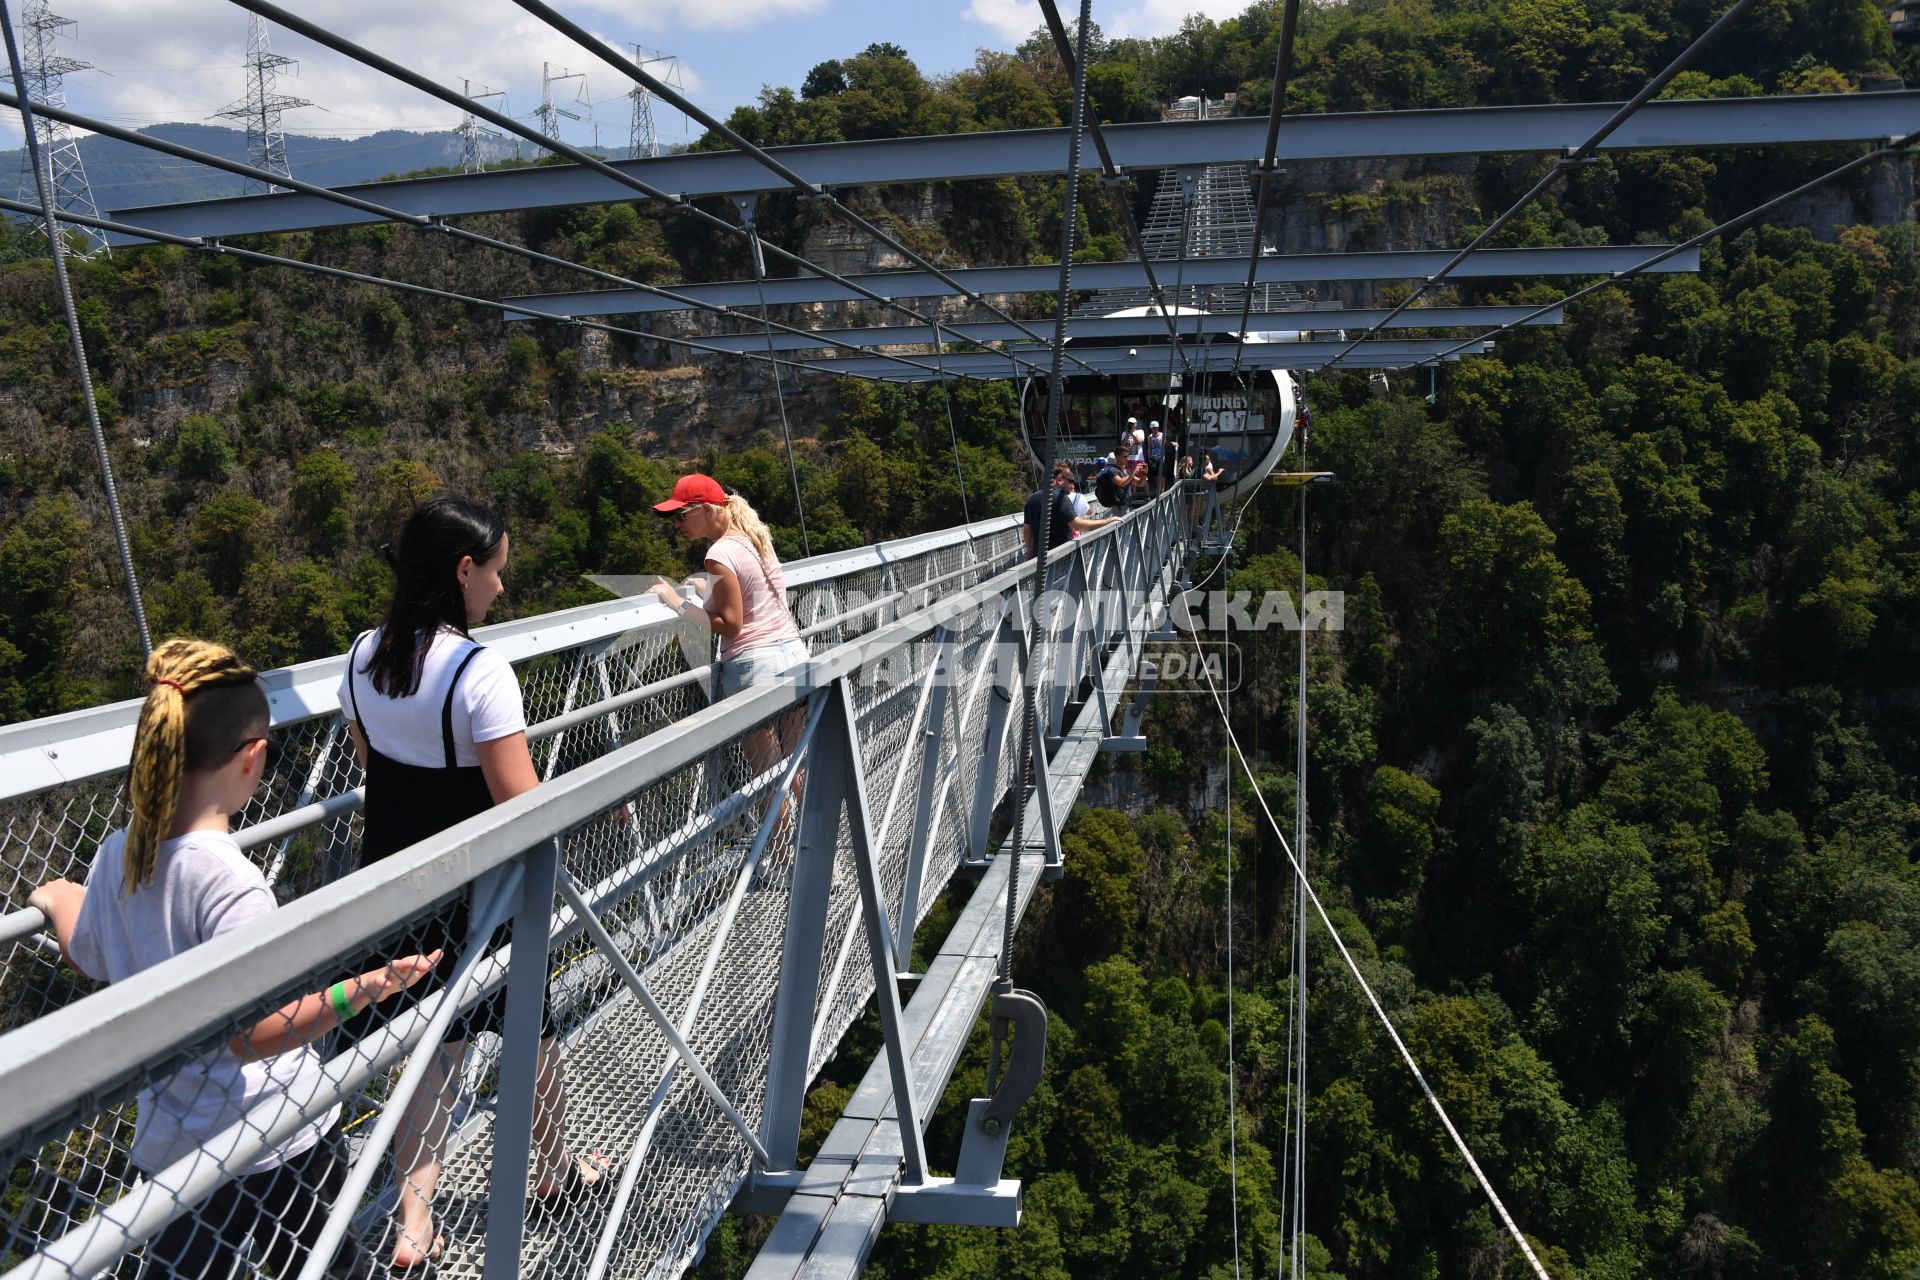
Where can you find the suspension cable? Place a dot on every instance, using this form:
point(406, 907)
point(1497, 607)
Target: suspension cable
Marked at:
point(670, 200)
point(423, 222)
point(1893, 147)
point(779, 395)
point(199, 245)
point(953, 435)
point(807, 190)
point(1299, 961)
point(1037, 626)
point(1565, 164)
point(1268, 172)
point(1115, 183)
point(56, 239)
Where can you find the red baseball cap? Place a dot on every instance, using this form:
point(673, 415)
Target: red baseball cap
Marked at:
point(690, 489)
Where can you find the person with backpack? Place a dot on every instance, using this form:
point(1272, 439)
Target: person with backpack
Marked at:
point(438, 721)
point(171, 879)
point(1112, 486)
point(1056, 501)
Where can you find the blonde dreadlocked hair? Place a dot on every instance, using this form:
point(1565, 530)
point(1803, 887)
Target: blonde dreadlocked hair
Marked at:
point(202, 701)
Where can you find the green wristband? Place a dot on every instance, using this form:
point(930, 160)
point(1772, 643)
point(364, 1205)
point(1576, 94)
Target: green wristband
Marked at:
point(342, 1007)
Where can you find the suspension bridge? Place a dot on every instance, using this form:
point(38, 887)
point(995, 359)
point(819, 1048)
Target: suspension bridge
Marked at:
point(716, 916)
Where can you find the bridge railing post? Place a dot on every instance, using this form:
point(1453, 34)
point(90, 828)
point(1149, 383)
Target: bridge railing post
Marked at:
point(520, 1062)
point(1008, 689)
point(789, 1069)
point(933, 732)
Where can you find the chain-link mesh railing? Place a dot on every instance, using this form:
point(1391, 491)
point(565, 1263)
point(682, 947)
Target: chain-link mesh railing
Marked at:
point(591, 1108)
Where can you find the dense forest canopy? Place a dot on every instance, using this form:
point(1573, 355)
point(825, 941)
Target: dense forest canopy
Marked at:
point(1611, 783)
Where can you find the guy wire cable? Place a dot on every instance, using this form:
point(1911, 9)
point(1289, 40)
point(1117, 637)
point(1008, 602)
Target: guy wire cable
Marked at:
point(56, 240)
point(1116, 184)
point(422, 222)
point(1565, 164)
point(1268, 172)
point(1366, 988)
point(786, 433)
point(1233, 1102)
point(1038, 626)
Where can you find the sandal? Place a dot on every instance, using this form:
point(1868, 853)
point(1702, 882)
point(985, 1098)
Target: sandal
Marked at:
point(574, 1184)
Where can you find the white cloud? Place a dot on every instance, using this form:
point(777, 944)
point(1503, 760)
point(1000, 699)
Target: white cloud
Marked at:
point(1011, 20)
point(1163, 17)
point(178, 60)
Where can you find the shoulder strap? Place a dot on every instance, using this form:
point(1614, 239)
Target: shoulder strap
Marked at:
point(446, 708)
point(353, 699)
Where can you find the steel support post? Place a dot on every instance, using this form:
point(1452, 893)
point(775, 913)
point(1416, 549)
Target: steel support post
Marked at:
point(520, 1062)
point(840, 757)
point(790, 1067)
point(1009, 684)
point(932, 736)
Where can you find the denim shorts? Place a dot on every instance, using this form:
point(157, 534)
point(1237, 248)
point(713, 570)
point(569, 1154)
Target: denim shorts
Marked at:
point(762, 664)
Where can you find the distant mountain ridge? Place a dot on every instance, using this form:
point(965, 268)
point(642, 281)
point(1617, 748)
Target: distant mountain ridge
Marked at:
point(125, 176)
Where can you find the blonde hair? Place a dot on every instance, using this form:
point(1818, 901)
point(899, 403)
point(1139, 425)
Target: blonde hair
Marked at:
point(172, 738)
point(744, 520)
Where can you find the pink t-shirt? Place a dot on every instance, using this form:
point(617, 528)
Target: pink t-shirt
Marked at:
point(763, 595)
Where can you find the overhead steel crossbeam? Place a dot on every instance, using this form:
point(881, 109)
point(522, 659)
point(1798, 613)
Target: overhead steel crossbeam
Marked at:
point(1330, 320)
point(807, 190)
point(1896, 146)
point(1379, 354)
point(680, 204)
point(1578, 155)
point(1470, 131)
point(1566, 260)
point(133, 235)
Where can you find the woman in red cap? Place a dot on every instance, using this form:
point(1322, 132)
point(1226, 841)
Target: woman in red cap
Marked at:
point(747, 604)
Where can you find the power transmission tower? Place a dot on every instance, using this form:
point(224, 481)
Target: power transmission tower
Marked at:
point(44, 70)
point(644, 139)
point(548, 114)
point(470, 130)
point(260, 110)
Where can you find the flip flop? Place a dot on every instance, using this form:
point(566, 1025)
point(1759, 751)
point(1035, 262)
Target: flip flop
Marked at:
point(574, 1184)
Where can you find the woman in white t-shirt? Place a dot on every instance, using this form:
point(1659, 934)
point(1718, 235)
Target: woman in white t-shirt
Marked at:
point(438, 722)
point(172, 879)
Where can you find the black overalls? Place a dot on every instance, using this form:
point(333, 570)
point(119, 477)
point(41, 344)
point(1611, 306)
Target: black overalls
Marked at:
point(407, 803)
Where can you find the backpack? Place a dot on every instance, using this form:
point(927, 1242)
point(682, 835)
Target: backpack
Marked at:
point(1105, 489)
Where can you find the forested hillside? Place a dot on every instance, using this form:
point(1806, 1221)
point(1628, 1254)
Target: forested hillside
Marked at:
point(1611, 781)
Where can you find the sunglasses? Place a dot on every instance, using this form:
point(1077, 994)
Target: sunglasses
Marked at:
point(273, 751)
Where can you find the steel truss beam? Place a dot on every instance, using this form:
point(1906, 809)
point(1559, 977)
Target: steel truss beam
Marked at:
point(1723, 122)
point(1488, 264)
point(1108, 360)
point(1329, 320)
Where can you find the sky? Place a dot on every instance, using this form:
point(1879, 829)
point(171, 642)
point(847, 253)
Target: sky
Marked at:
point(183, 60)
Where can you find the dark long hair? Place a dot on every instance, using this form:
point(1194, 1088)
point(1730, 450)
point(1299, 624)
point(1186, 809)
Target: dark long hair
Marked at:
point(426, 592)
